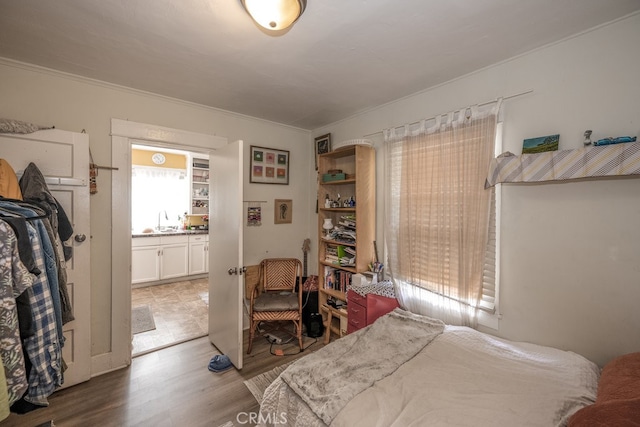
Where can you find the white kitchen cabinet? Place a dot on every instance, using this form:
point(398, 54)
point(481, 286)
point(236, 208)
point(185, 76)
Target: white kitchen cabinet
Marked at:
point(145, 259)
point(174, 257)
point(159, 257)
point(198, 254)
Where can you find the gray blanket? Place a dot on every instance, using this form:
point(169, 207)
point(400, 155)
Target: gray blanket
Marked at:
point(326, 381)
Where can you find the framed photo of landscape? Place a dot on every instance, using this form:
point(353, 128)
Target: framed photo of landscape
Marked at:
point(268, 166)
point(540, 144)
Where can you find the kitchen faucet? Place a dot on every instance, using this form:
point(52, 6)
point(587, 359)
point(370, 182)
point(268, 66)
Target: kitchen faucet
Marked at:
point(165, 217)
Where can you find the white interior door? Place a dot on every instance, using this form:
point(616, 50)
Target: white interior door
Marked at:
point(225, 251)
point(63, 158)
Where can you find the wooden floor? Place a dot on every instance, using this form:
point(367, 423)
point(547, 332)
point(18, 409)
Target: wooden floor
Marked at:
point(169, 387)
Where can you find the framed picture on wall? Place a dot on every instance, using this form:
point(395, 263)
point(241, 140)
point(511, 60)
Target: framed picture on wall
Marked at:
point(283, 211)
point(323, 145)
point(268, 166)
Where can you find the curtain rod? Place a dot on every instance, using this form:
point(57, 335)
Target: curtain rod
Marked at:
point(480, 105)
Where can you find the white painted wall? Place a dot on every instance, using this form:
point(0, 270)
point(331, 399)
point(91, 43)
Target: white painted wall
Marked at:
point(570, 261)
point(47, 98)
point(571, 252)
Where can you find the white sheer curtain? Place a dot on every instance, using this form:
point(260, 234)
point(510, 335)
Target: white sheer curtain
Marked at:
point(158, 194)
point(437, 212)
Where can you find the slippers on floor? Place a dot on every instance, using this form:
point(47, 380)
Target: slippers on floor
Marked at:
point(220, 363)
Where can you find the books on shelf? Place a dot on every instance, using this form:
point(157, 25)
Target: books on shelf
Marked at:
point(340, 255)
point(348, 221)
point(336, 279)
point(344, 231)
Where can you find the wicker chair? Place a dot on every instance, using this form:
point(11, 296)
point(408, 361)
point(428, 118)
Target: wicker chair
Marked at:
point(275, 298)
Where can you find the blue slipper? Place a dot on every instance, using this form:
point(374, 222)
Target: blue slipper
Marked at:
point(220, 363)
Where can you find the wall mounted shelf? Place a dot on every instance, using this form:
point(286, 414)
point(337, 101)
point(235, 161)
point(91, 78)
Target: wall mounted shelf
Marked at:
point(586, 162)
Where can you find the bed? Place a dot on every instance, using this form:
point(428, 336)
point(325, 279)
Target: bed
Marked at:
point(410, 370)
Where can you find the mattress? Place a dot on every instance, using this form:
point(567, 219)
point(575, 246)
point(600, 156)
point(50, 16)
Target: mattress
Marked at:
point(464, 378)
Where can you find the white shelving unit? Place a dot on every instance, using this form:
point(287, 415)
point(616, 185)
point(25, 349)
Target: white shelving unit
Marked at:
point(199, 184)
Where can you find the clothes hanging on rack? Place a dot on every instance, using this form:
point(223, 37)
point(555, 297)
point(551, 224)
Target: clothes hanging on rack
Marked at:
point(13, 282)
point(9, 186)
point(19, 226)
point(44, 347)
point(33, 295)
point(35, 190)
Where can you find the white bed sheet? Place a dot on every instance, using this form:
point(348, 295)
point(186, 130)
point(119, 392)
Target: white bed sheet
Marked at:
point(464, 378)
point(467, 378)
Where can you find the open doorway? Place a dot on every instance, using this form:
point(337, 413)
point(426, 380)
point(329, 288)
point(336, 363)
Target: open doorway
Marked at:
point(226, 177)
point(169, 246)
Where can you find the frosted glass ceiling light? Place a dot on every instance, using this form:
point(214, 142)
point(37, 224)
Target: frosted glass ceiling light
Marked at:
point(274, 14)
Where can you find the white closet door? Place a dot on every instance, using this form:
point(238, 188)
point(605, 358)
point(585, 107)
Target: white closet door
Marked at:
point(63, 158)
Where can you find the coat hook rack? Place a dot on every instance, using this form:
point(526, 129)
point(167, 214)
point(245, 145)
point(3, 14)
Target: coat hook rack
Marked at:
point(94, 166)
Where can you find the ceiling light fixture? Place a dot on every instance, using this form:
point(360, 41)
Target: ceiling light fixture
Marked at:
point(274, 15)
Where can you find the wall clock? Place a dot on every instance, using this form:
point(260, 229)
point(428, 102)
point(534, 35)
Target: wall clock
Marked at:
point(158, 158)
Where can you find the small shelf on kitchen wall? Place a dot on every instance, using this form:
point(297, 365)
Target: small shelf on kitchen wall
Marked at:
point(199, 184)
point(586, 162)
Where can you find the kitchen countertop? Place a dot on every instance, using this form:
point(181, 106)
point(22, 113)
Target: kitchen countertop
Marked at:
point(170, 233)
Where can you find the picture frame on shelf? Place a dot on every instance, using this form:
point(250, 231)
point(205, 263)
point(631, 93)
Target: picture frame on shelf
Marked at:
point(268, 165)
point(283, 211)
point(323, 145)
point(540, 144)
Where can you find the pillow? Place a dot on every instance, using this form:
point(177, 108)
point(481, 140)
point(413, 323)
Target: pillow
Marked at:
point(620, 379)
point(618, 413)
point(618, 400)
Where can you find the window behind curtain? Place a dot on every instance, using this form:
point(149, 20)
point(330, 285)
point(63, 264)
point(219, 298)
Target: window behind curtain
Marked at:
point(440, 232)
point(158, 195)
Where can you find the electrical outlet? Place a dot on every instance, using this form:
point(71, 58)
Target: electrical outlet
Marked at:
point(273, 339)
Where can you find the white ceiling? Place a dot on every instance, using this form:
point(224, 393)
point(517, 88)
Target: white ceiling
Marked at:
point(340, 58)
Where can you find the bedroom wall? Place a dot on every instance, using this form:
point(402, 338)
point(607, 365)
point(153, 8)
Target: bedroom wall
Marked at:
point(48, 98)
point(570, 262)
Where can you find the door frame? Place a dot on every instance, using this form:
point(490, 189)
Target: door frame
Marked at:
point(123, 134)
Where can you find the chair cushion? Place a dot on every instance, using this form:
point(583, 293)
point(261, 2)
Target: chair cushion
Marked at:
point(276, 302)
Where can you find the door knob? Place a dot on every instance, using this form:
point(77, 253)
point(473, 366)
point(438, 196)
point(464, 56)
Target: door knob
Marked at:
point(80, 238)
point(232, 271)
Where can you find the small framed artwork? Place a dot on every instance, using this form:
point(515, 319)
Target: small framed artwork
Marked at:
point(323, 145)
point(283, 211)
point(540, 144)
point(268, 166)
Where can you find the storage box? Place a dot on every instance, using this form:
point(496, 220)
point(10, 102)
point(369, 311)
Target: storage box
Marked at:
point(327, 177)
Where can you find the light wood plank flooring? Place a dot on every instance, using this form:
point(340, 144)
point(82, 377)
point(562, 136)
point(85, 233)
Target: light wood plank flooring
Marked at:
point(169, 387)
